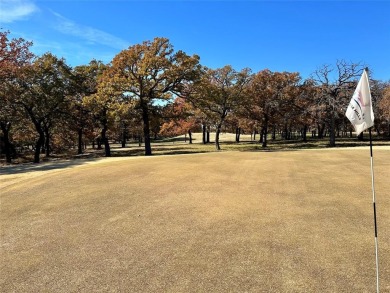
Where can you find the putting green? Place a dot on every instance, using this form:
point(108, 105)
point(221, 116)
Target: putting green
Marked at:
point(298, 221)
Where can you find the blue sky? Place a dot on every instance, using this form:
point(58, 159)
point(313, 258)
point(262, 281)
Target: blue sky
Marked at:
point(295, 36)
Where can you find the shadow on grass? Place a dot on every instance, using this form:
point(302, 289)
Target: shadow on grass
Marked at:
point(44, 165)
point(295, 145)
point(168, 147)
point(173, 139)
point(275, 145)
point(157, 151)
point(161, 148)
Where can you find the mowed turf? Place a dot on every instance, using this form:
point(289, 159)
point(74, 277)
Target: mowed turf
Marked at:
point(298, 221)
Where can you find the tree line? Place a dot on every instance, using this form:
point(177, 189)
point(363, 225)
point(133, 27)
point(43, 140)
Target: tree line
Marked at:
point(151, 90)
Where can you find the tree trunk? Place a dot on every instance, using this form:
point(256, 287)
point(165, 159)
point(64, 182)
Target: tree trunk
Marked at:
point(208, 135)
point(332, 134)
point(217, 137)
point(38, 146)
point(190, 136)
point(80, 141)
point(265, 141)
point(145, 118)
point(261, 135)
point(99, 143)
point(360, 137)
point(304, 131)
point(238, 134)
point(123, 138)
point(107, 149)
point(273, 132)
point(388, 130)
point(5, 127)
point(285, 132)
point(321, 130)
point(265, 131)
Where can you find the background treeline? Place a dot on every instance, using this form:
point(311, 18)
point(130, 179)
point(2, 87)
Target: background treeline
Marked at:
point(150, 90)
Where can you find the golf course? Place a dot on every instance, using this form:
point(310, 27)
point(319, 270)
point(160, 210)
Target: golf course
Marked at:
point(194, 146)
point(230, 221)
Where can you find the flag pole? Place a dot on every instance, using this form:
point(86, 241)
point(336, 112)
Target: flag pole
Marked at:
point(374, 206)
point(360, 113)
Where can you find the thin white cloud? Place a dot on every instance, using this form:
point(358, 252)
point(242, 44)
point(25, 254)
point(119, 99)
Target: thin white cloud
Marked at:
point(74, 53)
point(14, 10)
point(89, 34)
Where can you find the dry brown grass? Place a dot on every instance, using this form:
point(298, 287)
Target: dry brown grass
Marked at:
point(298, 221)
point(180, 145)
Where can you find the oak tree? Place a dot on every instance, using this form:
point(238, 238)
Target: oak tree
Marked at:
point(219, 92)
point(45, 88)
point(270, 94)
point(14, 55)
point(85, 85)
point(181, 119)
point(336, 84)
point(151, 73)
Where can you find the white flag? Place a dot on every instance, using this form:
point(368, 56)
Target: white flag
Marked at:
point(359, 110)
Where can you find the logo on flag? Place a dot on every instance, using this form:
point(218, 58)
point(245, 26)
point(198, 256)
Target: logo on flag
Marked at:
point(359, 110)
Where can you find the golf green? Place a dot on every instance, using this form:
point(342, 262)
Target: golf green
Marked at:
point(297, 221)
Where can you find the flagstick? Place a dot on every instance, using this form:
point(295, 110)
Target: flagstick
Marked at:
point(376, 230)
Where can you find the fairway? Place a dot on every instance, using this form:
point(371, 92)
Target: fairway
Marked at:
point(294, 221)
